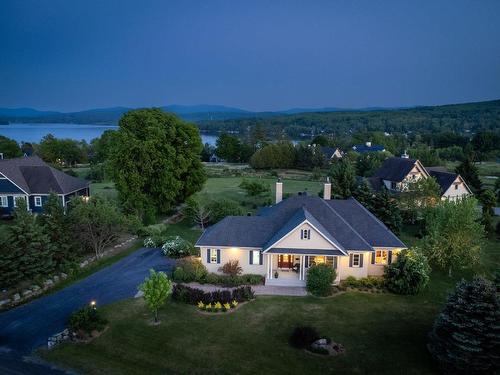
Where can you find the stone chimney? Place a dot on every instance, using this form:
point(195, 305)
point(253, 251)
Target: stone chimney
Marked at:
point(368, 144)
point(405, 155)
point(279, 191)
point(327, 190)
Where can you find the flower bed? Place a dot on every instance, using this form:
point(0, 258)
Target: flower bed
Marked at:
point(216, 301)
point(366, 284)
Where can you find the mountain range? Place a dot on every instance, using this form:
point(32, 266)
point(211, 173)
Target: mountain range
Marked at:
point(195, 113)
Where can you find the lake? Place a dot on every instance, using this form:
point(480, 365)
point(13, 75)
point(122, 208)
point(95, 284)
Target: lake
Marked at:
point(35, 132)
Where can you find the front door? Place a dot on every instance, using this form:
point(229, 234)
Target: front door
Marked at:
point(285, 261)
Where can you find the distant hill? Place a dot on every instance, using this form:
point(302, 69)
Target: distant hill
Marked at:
point(296, 122)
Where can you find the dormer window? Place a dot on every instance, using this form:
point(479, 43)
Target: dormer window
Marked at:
point(305, 234)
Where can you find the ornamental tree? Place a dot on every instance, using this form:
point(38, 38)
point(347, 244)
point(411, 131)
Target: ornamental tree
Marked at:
point(156, 288)
point(465, 338)
point(155, 161)
point(454, 234)
point(409, 274)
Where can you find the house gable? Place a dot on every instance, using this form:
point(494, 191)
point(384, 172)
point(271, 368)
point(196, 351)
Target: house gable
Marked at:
point(8, 187)
point(457, 189)
point(294, 240)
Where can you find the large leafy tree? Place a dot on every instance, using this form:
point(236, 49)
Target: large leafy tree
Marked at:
point(62, 151)
point(386, 209)
point(469, 172)
point(453, 234)
point(343, 178)
point(9, 148)
point(465, 338)
point(155, 161)
point(488, 200)
point(417, 196)
point(281, 155)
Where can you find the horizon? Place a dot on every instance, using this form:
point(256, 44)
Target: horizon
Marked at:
point(261, 57)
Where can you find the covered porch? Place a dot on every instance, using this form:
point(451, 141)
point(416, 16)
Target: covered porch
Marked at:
point(288, 267)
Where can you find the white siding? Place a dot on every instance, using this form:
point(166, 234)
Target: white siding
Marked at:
point(293, 241)
point(454, 193)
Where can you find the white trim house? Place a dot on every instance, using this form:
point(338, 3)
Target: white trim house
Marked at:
point(284, 240)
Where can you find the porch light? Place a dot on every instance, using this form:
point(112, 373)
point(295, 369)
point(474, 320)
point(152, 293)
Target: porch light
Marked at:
point(93, 304)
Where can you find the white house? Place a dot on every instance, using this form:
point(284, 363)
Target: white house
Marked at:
point(284, 240)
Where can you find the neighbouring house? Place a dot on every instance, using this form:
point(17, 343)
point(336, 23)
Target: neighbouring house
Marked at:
point(331, 153)
point(395, 173)
point(368, 147)
point(282, 241)
point(30, 178)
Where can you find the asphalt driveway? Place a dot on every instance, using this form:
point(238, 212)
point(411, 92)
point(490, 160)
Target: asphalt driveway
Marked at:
point(27, 327)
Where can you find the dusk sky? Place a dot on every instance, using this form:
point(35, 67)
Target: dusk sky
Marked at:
point(257, 55)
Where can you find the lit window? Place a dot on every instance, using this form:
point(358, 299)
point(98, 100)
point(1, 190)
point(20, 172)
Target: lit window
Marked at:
point(213, 255)
point(356, 260)
point(38, 201)
point(3, 201)
point(305, 234)
point(256, 257)
point(381, 257)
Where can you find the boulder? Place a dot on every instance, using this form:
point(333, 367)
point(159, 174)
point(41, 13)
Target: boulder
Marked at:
point(4, 302)
point(35, 288)
point(27, 293)
point(16, 297)
point(56, 279)
point(63, 275)
point(48, 283)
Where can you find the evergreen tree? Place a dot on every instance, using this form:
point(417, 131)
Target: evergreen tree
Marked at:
point(468, 170)
point(57, 227)
point(364, 194)
point(465, 338)
point(386, 209)
point(488, 200)
point(343, 178)
point(30, 244)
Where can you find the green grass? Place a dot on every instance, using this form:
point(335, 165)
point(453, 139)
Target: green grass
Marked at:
point(487, 171)
point(106, 189)
point(228, 188)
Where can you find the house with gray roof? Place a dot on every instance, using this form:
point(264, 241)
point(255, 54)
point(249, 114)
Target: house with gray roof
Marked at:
point(281, 242)
point(32, 179)
point(396, 172)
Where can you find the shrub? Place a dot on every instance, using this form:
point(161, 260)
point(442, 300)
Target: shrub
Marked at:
point(193, 296)
point(465, 336)
point(189, 270)
point(303, 337)
point(409, 274)
point(320, 279)
point(231, 268)
point(219, 209)
point(177, 247)
point(86, 320)
point(148, 242)
point(351, 282)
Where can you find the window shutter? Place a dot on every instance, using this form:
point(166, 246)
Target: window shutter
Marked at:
point(250, 261)
point(306, 261)
point(373, 257)
point(218, 256)
point(261, 258)
point(308, 234)
point(350, 260)
point(208, 256)
point(335, 259)
point(301, 234)
point(389, 257)
point(361, 256)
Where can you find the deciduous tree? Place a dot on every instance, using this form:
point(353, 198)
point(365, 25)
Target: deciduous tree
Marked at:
point(156, 288)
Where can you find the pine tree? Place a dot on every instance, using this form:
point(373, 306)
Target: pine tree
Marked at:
point(386, 209)
point(57, 227)
point(343, 178)
point(29, 241)
point(468, 170)
point(364, 194)
point(465, 338)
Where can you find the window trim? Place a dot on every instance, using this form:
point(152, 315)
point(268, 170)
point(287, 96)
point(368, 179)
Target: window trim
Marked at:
point(38, 201)
point(305, 234)
point(381, 256)
point(255, 258)
point(354, 256)
point(4, 201)
point(213, 256)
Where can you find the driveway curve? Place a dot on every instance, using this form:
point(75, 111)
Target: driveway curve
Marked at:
point(27, 327)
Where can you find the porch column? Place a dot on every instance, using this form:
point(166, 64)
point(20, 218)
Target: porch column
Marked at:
point(301, 266)
point(269, 266)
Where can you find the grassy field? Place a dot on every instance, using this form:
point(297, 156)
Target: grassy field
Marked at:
point(488, 171)
point(106, 189)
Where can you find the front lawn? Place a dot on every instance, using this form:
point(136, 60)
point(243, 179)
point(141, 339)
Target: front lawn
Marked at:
point(381, 334)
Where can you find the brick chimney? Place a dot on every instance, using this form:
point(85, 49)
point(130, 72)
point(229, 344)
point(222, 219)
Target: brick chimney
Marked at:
point(327, 190)
point(279, 191)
